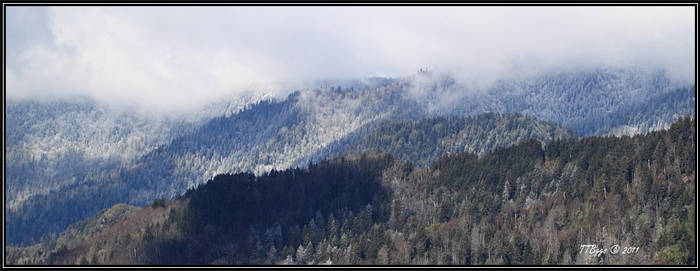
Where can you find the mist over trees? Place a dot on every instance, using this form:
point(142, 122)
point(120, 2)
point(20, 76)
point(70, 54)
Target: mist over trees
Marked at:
point(126, 158)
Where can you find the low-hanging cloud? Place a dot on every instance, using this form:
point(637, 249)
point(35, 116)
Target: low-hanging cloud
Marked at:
point(171, 58)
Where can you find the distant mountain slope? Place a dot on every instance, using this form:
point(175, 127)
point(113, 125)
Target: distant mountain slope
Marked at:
point(54, 148)
point(266, 133)
point(167, 157)
point(51, 144)
point(525, 204)
point(424, 141)
point(589, 102)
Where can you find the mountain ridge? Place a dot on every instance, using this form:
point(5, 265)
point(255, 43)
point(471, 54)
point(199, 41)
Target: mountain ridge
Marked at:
point(313, 124)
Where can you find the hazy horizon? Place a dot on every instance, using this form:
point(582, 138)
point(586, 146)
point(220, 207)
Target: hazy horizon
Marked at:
point(174, 58)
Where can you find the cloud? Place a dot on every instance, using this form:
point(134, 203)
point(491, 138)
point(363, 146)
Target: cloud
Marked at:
point(170, 58)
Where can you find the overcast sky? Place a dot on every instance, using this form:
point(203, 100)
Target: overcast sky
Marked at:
point(179, 57)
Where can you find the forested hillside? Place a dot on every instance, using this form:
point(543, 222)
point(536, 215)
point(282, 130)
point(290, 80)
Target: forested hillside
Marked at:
point(60, 149)
point(591, 102)
point(422, 142)
point(69, 159)
point(51, 144)
point(526, 204)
